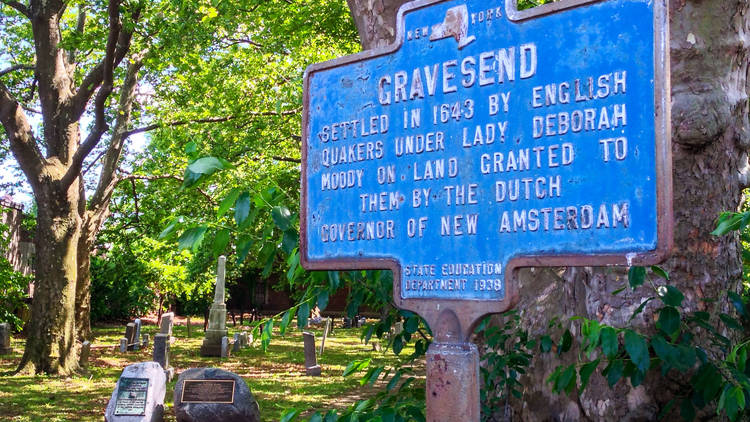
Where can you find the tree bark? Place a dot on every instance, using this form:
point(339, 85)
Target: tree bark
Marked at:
point(709, 67)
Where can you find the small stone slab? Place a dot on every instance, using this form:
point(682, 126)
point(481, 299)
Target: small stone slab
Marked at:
point(161, 354)
point(212, 394)
point(138, 395)
point(5, 348)
point(311, 360)
point(123, 345)
point(136, 343)
point(225, 347)
point(237, 345)
point(130, 335)
point(166, 323)
point(83, 359)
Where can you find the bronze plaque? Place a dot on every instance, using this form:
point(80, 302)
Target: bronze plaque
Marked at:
point(208, 391)
point(131, 397)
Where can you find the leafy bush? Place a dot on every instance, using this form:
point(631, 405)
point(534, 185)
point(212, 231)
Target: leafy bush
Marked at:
point(13, 285)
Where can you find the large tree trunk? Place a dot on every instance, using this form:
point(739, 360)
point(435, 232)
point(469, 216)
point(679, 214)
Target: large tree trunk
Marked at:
point(83, 285)
point(51, 345)
point(709, 49)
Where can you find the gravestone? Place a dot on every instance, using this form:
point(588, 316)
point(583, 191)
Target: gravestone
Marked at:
point(123, 345)
point(212, 394)
point(137, 336)
point(161, 354)
point(326, 331)
point(237, 345)
point(83, 359)
point(217, 319)
point(225, 347)
point(166, 322)
point(129, 336)
point(347, 322)
point(5, 347)
point(189, 327)
point(138, 395)
point(145, 340)
point(311, 360)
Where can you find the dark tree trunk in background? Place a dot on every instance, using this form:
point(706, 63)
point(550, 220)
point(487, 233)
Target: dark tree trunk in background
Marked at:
point(709, 60)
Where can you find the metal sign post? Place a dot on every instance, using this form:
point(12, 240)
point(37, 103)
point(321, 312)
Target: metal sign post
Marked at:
point(486, 139)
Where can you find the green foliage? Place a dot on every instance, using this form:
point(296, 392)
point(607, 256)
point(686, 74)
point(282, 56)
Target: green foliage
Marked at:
point(719, 376)
point(13, 285)
point(508, 352)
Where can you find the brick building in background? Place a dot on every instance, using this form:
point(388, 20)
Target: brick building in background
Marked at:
point(21, 249)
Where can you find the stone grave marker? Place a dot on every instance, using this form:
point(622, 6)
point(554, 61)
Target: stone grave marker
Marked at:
point(5, 347)
point(217, 319)
point(212, 394)
point(311, 360)
point(136, 344)
point(145, 340)
point(326, 332)
point(123, 345)
point(237, 344)
point(83, 359)
point(129, 337)
point(166, 322)
point(138, 395)
point(161, 354)
point(225, 347)
point(189, 327)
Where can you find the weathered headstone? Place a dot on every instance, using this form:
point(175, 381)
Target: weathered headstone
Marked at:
point(243, 339)
point(136, 345)
point(123, 345)
point(225, 347)
point(83, 359)
point(347, 322)
point(326, 331)
point(166, 322)
point(237, 345)
point(138, 395)
point(311, 360)
point(129, 336)
point(161, 354)
point(217, 319)
point(5, 347)
point(211, 394)
point(145, 340)
point(189, 327)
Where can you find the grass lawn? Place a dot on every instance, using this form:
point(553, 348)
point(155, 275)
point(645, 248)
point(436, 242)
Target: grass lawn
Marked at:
point(276, 377)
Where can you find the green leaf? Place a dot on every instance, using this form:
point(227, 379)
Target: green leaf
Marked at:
point(285, 320)
point(636, 276)
point(614, 371)
point(243, 248)
point(228, 201)
point(566, 380)
point(586, 371)
point(281, 217)
point(331, 416)
point(545, 343)
point(323, 300)
point(356, 366)
point(170, 228)
point(671, 296)
point(242, 208)
point(728, 221)
point(637, 349)
point(192, 238)
point(289, 415)
point(190, 179)
point(660, 272)
point(394, 381)
point(316, 417)
point(208, 165)
point(221, 241)
point(303, 313)
point(412, 325)
point(609, 342)
point(738, 303)
point(398, 344)
point(565, 343)
point(687, 411)
point(669, 321)
point(730, 322)
point(290, 241)
point(640, 308)
point(190, 149)
point(333, 280)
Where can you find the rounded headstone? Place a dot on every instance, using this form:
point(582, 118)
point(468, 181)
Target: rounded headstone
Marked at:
point(153, 408)
point(243, 408)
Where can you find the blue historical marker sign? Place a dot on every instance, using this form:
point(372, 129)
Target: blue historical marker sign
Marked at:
point(488, 138)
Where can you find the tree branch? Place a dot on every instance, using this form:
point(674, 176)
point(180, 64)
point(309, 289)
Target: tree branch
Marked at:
point(100, 121)
point(95, 77)
point(167, 177)
point(20, 7)
point(22, 141)
point(16, 67)
point(209, 120)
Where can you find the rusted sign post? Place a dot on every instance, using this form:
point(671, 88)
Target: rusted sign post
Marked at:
point(486, 139)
